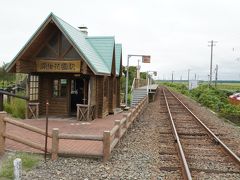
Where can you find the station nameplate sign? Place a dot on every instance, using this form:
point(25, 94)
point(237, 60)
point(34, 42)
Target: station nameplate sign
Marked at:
point(146, 59)
point(58, 66)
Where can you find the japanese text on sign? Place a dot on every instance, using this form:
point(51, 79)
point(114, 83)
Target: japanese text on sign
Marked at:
point(58, 66)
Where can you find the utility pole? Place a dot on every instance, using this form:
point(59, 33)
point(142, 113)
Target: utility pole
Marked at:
point(188, 77)
point(211, 45)
point(127, 74)
point(216, 75)
point(172, 76)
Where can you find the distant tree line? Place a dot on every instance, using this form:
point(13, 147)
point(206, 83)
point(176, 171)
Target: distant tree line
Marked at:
point(132, 73)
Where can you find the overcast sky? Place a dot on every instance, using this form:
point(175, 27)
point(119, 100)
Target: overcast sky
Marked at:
point(174, 32)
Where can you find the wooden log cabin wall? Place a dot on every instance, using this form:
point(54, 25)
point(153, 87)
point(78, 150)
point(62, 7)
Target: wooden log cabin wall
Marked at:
point(67, 67)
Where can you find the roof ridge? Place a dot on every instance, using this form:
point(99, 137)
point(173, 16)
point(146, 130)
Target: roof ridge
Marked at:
point(83, 36)
point(68, 24)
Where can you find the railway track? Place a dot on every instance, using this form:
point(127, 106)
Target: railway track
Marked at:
point(198, 153)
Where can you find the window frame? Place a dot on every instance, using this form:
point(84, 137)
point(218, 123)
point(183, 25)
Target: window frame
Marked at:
point(59, 86)
point(33, 87)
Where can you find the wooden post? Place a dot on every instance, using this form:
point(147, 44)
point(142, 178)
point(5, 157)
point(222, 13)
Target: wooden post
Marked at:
point(118, 133)
point(1, 102)
point(89, 99)
point(77, 111)
point(28, 95)
point(37, 110)
point(2, 131)
point(55, 143)
point(137, 111)
point(133, 114)
point(141, 109)
point(27, 110)
point(106, 145)
point(46, 131)
point(146, 102)
point(125, 115)
point(8, 99)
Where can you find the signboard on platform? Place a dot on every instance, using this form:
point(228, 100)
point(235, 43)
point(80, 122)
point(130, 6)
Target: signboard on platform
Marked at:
point(192, 84)
point(146, 59)
point(58, 66)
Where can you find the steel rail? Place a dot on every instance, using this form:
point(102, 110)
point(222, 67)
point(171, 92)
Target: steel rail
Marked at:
point(229, 151)
point(185, 169)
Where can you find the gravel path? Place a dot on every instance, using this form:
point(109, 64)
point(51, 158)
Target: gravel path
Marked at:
point(140, 154)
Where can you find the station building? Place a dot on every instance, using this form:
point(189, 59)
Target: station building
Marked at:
point(67, 67)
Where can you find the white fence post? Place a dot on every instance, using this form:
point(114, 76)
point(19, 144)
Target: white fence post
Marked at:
point(17, 169)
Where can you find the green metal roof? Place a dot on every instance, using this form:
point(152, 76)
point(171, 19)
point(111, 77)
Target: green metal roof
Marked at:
point(96, 63)
point(118, 54)
point(96, 51)
point(105, 48)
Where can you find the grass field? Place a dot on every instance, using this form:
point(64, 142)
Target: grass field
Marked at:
point(229, 86)
point(223, 85)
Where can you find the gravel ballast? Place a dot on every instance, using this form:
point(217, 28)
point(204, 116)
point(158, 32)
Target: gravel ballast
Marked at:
point(135, 157)
point(139, 155)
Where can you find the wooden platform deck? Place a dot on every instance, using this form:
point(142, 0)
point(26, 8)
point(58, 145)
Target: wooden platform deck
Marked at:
point(65, 125)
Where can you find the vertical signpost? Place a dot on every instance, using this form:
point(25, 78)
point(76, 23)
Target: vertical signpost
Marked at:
point(46, 132)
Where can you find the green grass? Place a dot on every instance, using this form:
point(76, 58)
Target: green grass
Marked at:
point(229, 86)
point(16, 107)
point(29, 160)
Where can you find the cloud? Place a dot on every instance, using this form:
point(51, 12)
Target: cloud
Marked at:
point(175, 33)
